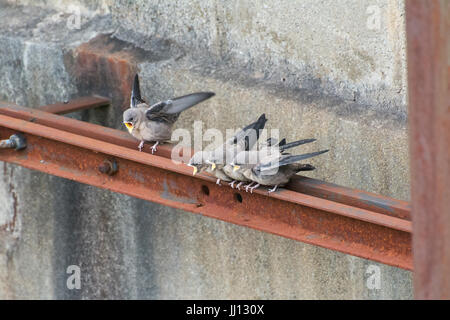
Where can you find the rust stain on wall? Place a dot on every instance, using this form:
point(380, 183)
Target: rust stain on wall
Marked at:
point(105, 66)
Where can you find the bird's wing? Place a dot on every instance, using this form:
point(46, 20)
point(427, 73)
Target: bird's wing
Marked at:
point(246, 138)
point(171, 108)
point(243, 140)
point(282, 142)
point(136, 98)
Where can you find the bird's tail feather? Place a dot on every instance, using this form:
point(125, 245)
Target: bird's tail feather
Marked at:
point(289, 160)
point(295, 144)
point(302, 167)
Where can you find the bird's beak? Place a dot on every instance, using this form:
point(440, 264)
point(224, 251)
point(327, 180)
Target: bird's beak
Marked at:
point(213, 165)
point(195, 169)
point(129, 126)
point(236, 168)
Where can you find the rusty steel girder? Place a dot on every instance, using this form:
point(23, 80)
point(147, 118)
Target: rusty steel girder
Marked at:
point(76, 105)
point(307, 210)
point(428, 49)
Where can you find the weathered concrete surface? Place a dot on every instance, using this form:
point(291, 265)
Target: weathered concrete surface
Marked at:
point(355, 49)
point(128, 248)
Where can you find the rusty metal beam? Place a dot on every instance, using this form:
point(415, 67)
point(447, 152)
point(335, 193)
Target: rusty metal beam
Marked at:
point(352, 197)
point(428, 30)
point(76, 105)
point(82, 152)
point(320, 189)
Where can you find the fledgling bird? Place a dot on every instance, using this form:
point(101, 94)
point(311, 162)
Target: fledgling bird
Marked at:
point(249, 157)
point(276, 172)
point(244, 140)
point(271, 150)
point(154, 123)
point(213, 161)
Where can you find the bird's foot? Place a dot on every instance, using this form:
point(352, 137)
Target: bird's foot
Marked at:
point(248, 186)
point(239, 185)
point(274, 188)
point(254, 187)
point(141, 145)
point(231, 184)
point(154, 149)
point(218, 182)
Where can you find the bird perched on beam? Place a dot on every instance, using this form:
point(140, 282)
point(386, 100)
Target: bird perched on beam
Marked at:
point(271, 150)
point(154, 123)
point(248, 157)
point(275, 172)
point(214, 161)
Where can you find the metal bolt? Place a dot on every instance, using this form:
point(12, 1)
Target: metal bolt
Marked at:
point(108, 167)
point(16, 141)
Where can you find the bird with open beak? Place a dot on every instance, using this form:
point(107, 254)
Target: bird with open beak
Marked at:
point(213, 161)
point(275, 172)
point(154, 123)
point(199, 161)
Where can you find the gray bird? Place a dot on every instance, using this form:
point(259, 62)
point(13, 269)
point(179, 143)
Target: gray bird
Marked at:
point(244, 140)
point(154, 123)
point(249, 157)
point(271, 150)
point(276, 172)
point(213, 161)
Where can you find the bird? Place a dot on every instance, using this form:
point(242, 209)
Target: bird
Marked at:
point(154, 123)
point(244, 140)
point(275, 172)
point(213, 161)
point(248, 157)
point(271, 148)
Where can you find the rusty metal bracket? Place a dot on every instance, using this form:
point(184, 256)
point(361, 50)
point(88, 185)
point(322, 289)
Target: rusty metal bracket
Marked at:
point(350, 221)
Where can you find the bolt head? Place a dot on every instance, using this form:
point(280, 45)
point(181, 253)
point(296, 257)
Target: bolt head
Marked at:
point(108, 167)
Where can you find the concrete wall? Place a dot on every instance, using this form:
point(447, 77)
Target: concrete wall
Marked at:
point(329, 70)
